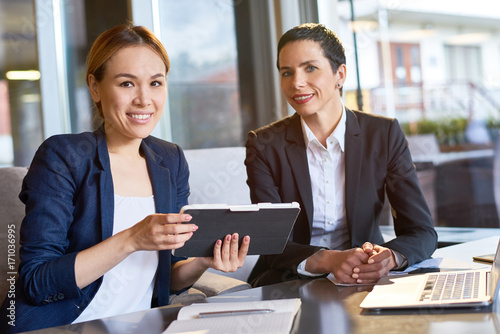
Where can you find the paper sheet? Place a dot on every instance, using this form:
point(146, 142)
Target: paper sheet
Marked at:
point(279, 321)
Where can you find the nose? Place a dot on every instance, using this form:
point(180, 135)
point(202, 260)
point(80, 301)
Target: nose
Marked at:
point(142, 98)
point(298, 80)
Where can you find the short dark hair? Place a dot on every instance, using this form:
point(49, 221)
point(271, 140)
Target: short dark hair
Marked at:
point(330, 43)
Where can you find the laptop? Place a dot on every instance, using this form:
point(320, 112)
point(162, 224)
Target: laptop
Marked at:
point(465, 288)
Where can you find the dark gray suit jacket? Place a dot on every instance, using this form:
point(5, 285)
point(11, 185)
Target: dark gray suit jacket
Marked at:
point(377, 160)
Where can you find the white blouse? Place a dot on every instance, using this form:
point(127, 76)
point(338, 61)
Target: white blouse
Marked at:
point(128, 287)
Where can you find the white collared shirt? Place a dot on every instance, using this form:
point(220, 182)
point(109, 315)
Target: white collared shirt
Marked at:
point(327, 173)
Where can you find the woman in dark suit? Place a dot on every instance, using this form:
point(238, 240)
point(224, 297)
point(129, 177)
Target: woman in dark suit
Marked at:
point(338, 164)
point(102, 208)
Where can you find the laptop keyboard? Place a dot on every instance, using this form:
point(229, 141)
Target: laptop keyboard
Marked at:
point(452, 286)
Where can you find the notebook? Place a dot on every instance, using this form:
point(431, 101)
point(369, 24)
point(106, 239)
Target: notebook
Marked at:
point(237, 317)
point(465, 288)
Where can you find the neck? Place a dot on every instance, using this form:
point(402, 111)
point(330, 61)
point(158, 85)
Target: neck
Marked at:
point(322, 124)
point(126, 147)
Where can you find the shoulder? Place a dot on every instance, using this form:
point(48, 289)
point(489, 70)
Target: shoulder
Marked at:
point(372, 124)
point(278, 127)
point(367, 119)
point(68, 147)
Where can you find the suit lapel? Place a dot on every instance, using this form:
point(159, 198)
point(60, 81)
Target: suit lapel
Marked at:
point(160, 179)
point(106, 186)
point(353, 159)
point(297, 159)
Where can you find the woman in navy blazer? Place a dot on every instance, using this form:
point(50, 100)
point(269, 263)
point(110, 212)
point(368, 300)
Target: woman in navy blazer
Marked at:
point(67, 237)
point(374, 161)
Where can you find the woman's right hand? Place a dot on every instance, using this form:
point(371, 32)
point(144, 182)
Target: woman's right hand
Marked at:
point(162, 231)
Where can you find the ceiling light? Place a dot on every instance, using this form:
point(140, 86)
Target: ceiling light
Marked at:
point(30, 75)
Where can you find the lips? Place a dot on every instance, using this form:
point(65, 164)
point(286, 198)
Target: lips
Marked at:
point(302, 98)
point(140, 118)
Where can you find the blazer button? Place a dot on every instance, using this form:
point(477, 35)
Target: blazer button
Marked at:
point(60, 296)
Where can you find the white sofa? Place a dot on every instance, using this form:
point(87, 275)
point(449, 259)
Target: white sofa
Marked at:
point(218, 175)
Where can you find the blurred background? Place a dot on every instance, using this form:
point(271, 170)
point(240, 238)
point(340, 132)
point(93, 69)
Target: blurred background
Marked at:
point(433, 65)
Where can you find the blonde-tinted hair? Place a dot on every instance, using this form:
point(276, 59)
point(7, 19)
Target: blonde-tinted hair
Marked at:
point(115, 39)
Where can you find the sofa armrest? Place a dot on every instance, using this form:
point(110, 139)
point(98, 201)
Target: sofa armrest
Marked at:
point(212, 284)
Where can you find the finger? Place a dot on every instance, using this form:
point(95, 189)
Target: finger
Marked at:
point(216, 260)
point(380, 256)
point(243, 251)
point(173, 218)
point(226, 245)
point(171, 241)
point(172, 229)
point(357, 256)
point(235, 238)
point(368, 248)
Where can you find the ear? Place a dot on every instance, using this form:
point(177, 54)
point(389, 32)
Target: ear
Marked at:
point(341, 74)
point(94, 88)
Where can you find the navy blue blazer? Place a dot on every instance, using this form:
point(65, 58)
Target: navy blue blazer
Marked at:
point(377, 161)
point(69, 199)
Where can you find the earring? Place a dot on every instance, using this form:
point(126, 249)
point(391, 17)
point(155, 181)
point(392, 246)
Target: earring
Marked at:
point(338, 84)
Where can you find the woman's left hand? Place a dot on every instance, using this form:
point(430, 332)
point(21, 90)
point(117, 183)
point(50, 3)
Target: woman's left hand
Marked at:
point(227, 255)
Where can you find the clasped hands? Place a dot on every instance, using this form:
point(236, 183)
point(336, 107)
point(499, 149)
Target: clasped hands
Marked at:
point(357, 265)
point(171, 231)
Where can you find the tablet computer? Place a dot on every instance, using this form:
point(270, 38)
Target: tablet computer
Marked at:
point(268, 225)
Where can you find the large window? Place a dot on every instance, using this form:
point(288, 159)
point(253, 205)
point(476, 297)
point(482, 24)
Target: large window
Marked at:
point(204, 99)
point(436, 70)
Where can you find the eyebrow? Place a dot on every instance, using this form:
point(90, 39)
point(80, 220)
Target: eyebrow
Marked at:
point(304, 63)
point(128, 75)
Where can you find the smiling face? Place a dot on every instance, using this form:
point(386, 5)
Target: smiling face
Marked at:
point(132, 92)
point(307, 78)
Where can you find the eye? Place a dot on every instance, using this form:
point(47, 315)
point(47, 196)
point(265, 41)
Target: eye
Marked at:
point(311, 68)
point(156, 84)
point(286, 74)
point(126, 84)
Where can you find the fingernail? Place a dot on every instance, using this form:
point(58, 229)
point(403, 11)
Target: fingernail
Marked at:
point(356, 270)
point(370, 261)
point(247, 238)
point(355, 276)
point(219, 242)
point(188, 217)
point(195, 227)
point(228, 237)
point(235, 237)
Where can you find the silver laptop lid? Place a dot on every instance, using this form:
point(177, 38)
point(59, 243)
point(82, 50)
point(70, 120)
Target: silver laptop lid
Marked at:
point(494, 276)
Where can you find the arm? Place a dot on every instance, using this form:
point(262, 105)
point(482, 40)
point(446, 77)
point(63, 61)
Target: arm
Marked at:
point(416, 238)
point(155, 232)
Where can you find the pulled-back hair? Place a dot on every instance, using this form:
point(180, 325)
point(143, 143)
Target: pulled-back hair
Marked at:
point(115, 39)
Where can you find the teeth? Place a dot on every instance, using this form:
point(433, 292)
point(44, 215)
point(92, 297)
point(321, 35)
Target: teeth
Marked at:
point(140, 116)
point(300, 98)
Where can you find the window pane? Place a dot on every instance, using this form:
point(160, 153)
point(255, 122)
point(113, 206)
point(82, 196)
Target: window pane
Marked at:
point(20, 118)
point(441, 80)
point(203, 85)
